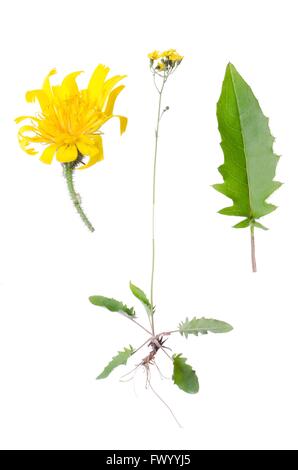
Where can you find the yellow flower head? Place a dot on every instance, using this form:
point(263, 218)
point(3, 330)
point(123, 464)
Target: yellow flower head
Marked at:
point(154, 55)
point(175, 57)
point(160, 66)
point(168, 53)
point(69, 122)
point(172, 55)
point(170, 60)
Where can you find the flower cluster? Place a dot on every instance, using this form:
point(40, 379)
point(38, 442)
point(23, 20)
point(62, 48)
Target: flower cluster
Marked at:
point(165, 61)
point(69, 122)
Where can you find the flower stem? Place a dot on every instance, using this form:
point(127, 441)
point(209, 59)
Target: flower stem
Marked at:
point(159, 114)
point(68, 173)
point(253, 249)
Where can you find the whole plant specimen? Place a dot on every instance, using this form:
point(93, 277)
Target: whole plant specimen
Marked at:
point(249, 160)
point(162, 66)
point(68, 125)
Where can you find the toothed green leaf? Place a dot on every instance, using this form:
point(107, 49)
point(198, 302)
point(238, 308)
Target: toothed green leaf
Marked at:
point(184, 376)
point(140, 295)
point(249, 161)
point(257, 224)
point(120, 359)
point(111, 304)
point(243, 224)
point(203, 326)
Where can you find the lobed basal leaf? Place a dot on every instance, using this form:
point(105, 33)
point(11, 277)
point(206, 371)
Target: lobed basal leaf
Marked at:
point(184, 376)
point(203, 326)
point(120, 359)
point(111, 304)
point(141, 296)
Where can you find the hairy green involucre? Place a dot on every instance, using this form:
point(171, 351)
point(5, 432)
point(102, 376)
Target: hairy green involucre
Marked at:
point(184, 376)
point(120, 359)
point(111, 304)
point(249, 161)
point(203, 326)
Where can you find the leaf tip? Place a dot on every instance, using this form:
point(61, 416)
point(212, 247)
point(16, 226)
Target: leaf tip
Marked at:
point(231, 67)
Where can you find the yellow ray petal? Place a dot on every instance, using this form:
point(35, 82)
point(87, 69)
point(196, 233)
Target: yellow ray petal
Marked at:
point(46, 84)
point(92, 160)
point(24, 144)
point(95, 86)
point(40, 96)
point(27, 129)
point(57, 94)
point(69, 85)
point(67, 153)
point(86, 146)
point(112, 98)
point(48, 154)
point(97, 157)
point(123, 121)
point(29, 134)
point(22, 118)
point(111, 82)
point(109, 85)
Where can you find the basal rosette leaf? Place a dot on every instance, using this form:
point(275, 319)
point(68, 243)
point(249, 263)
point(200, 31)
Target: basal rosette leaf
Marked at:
point(203, 326)
point(184, 376)
point(111, 304)
point(249, 160)
point(120, 359)
point(141, 296)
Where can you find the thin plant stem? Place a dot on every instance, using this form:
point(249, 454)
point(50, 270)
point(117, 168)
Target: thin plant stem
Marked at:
point(253, 249)
point(68, 173)
point(167, 354)
point(141, 326)
point(142, 345)
point(159, 114)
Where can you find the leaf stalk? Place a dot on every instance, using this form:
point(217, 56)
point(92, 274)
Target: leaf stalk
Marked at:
point(253, 248)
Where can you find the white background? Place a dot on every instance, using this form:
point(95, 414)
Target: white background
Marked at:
point(53, 343)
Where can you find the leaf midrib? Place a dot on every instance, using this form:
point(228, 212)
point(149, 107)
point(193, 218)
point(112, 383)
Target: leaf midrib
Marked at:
point(243, 143)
